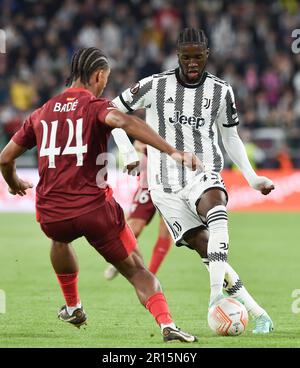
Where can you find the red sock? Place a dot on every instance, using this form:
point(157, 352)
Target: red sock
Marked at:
point(69, 287)
point(158, 307)
point(160, 250)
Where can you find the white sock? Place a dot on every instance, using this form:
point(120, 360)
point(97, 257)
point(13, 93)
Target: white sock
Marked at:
point(172, 325)
point(70, 310)
point(217, 248)
point(235, 288)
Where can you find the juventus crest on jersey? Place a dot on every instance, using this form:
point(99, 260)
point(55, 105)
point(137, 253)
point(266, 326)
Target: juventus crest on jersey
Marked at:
point(187, 116)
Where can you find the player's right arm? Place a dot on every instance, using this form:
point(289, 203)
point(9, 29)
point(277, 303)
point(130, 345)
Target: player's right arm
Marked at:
point(138, 129)
point(24, 139)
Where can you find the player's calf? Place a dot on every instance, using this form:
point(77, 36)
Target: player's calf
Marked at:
point(149, 292)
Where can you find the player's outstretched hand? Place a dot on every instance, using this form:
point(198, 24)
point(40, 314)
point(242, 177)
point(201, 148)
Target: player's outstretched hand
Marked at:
point(20, 187)
point(263, 184)
point(188, 159)
point(133, 168)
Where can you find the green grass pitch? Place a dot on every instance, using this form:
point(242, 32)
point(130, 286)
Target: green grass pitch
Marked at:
point(264, 249)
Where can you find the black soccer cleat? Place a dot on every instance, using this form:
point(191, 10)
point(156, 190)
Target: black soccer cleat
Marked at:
point(77, 318)
point(171, 334)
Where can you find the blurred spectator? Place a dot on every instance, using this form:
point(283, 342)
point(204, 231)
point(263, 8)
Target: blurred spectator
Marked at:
point(284, 159)
point(89, 35)
point(22, 93)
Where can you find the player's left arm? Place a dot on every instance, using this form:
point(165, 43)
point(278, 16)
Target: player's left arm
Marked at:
point(227, 123)
point(8, 169)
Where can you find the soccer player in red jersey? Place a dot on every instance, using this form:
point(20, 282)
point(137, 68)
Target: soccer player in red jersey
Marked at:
point(141, 213)
point(72, 198)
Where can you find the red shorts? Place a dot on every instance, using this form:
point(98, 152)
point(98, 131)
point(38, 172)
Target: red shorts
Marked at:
point(104, 228)
point(142, 206)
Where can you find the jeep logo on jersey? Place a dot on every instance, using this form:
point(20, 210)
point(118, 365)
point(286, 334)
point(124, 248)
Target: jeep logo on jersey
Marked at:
point(193, 121)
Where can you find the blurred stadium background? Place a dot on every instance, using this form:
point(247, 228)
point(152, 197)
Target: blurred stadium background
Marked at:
point(251, 47)
point(250, 43)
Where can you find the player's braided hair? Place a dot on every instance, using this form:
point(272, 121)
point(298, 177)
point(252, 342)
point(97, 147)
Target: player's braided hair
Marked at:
point(191, 35)
point(84, 62)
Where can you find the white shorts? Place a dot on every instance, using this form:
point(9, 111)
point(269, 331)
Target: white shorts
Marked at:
point(179, 209)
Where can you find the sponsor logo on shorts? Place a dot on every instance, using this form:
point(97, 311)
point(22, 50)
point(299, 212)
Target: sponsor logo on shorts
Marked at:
point(177, 226)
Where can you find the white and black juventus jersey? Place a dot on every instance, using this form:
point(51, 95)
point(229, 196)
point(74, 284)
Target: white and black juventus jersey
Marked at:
point(187, 116)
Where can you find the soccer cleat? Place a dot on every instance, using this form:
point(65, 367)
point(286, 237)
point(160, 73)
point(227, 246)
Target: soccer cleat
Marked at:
point(170, 334)
point(263, 324)
point(111, 272)
point(77, 318)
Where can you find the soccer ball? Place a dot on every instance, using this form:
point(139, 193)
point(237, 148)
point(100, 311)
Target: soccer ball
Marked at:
point(228, 317)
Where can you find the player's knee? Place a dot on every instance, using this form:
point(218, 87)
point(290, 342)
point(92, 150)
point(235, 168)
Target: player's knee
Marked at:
point(59, 246)
point(209, 200)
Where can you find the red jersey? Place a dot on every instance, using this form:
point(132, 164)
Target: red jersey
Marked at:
point(70, 133)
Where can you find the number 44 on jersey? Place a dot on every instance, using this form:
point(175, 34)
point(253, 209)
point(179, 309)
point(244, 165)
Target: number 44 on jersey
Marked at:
point(79, 149)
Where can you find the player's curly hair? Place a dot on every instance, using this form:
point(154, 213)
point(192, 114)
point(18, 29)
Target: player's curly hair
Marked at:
point(191, 35)
point(84, 62)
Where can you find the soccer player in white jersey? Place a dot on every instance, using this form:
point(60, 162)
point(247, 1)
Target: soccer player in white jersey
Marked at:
point(190, 107)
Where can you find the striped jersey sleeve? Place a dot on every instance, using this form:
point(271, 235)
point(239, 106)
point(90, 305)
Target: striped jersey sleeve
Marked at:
point(228, 116)
point(136, 97)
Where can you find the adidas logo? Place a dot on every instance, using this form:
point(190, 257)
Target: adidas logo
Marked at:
point(170, 100)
